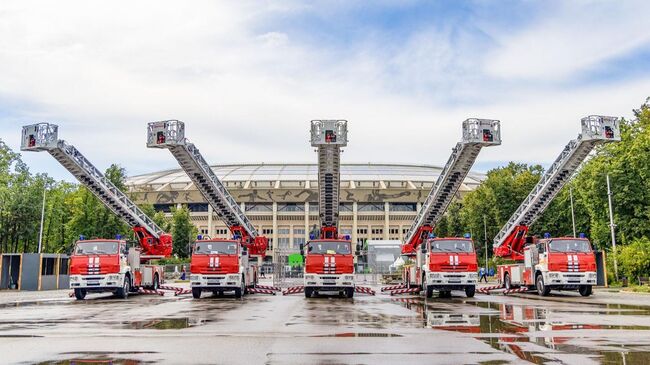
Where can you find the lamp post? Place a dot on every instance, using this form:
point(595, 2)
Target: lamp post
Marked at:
point(612, 226)
point(486, 241)
point(573, 217)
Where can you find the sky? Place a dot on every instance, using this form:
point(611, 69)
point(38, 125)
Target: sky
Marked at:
point(246, 77)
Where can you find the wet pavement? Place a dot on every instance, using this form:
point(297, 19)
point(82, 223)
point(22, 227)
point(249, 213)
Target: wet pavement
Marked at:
point(50, 328)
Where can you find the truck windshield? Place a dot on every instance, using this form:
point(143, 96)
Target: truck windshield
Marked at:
point(216, 247)
point(569, 246)
point(451, 246)
point(96, 248)
point(329, 248)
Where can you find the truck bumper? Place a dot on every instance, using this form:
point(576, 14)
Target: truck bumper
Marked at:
point(451, 280)
point(108, 282)
point(329, 282)
point(216, 281)
point(558, 279)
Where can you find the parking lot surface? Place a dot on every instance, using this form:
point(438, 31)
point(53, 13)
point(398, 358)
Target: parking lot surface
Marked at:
point(50, 327)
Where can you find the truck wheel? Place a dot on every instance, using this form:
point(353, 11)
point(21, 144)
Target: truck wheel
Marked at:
point(309, 292)
point(349, 293)
point(585, 290)
point(507, 283)
point(156, 283)
point(429, 292)
point(80, 294)
point(123, 292)
point(238, 293)
point(196, 293)
point(470, 290)
point(542, 289)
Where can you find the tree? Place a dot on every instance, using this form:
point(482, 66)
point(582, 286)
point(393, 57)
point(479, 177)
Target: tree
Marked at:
point(183, 231)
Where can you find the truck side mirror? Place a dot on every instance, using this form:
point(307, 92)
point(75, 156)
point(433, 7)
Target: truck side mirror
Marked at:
point(423, 248)
point(302, 249)
point(357, 252)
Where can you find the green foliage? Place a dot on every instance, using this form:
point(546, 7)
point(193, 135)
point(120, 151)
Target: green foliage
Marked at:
point(183, 232)
point(634, 259)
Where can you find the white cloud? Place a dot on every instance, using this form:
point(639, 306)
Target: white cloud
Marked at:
point(569, 37)
point(247, 90)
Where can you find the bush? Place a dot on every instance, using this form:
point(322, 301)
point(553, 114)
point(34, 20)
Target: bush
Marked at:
point(634, 259)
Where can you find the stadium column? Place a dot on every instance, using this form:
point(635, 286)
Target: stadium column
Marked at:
point(275, 225)
point(354, 223)
point(306, 221)
point(210, 220)
point(386, 217)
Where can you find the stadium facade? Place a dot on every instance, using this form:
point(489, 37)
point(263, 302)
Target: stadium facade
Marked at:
point(378, 201)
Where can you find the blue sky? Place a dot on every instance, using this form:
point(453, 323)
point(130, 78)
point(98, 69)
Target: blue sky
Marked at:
point(246, 77)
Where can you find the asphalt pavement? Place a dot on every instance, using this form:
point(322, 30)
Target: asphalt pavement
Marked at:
point(51, 327)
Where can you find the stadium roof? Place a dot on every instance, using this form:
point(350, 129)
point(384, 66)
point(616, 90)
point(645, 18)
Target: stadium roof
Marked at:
point(356, 172)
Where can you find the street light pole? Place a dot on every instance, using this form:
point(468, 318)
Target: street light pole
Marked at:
point(573, 216)
point(40, 232)
point(612, 226)
point(486, 241)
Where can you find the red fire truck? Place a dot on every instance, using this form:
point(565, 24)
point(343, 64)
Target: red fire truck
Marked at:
point(329, 259)
point(218, 265)
point(101, 265)
point(562, 263)
point(446, 264)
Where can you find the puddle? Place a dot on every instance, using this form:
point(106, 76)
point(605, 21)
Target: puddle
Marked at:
point(97, 357)
point(166, 323)
point(356, 334)
point(530, 332)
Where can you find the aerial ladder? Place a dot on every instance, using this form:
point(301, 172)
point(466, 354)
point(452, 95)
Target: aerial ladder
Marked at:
point(549, 260)
point(329, 259)
point(154, 242)
point(170, 134)
point(446, 264)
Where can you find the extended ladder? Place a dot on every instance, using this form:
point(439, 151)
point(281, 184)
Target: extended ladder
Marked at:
point(44, 137)
point(329, 136)
point(595, 130)
point(170, 134)
point(477, 133)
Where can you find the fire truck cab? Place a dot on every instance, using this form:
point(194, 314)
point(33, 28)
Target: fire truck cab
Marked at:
point(329, 267)
point(100, 265)
point(564, 263)
point(220, 266)
point(444, 264)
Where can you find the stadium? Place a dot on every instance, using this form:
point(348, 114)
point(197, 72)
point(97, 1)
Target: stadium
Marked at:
point(378, 201)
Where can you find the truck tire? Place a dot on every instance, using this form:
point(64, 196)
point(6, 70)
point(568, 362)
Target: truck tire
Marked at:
point(196, 293)
point(238, 293)
point(429, 292)
point(156, 283)
point(309, 292)
point(585, 290)
point(80, 294)
point(507, 283)
point(349, 293)
point(123, 292)
point(542, 289)
point(470, 290)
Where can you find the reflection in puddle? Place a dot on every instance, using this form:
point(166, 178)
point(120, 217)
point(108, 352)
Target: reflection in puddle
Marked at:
point(166, 323)
point(530, 332)
point(362, 334)
point(99, 357)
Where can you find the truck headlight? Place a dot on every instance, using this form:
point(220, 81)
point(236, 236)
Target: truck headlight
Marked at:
point(434, 275)
point(310, 277)
point(233, 277)
point(74, 279)
point(591, 275)
point(112, 277)
point(348, 277)
point(473, 275)
point(195, 278)
point(553, 275)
